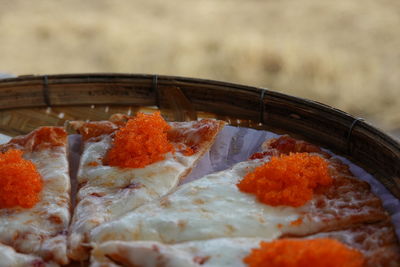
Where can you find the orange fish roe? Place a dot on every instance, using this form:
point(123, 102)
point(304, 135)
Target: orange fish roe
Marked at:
point(287, 180)
point(321, 252)
point(20, 182)
point(141, 142)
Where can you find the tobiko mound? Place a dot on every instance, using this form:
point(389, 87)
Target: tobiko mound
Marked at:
point(142, 141)
point(20, 182)
point(321, 252)
point(288, 180)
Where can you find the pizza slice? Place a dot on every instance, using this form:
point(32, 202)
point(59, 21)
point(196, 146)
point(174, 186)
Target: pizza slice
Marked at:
point(376, 242)
point(35, 197)
point(297, 194)
point(127, 162)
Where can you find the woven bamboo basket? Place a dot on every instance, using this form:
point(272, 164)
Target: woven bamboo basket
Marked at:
point(27, 102)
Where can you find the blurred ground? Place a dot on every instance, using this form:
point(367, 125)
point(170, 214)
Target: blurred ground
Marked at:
point(344, 53)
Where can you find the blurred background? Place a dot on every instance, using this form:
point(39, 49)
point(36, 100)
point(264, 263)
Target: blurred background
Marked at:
point(345, 53)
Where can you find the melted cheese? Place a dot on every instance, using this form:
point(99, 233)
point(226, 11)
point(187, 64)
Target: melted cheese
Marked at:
point(41, 230)
point(101, 175)
point(209, 207)
point(10, 258)
point(117, 191)
point(207, 253)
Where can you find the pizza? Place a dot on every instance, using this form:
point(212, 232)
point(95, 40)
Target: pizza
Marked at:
point(291, 204)
point(220, 206)
point(376, 241)
point(34, 199)
point(127, 162)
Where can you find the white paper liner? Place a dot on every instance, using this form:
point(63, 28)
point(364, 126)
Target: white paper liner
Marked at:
point(236, 144)
point(4, 138)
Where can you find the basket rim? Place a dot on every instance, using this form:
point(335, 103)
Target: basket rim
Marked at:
point(67, 78)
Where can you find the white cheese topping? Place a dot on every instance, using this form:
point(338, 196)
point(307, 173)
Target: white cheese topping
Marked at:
point(10, 258)
point(209, 207)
